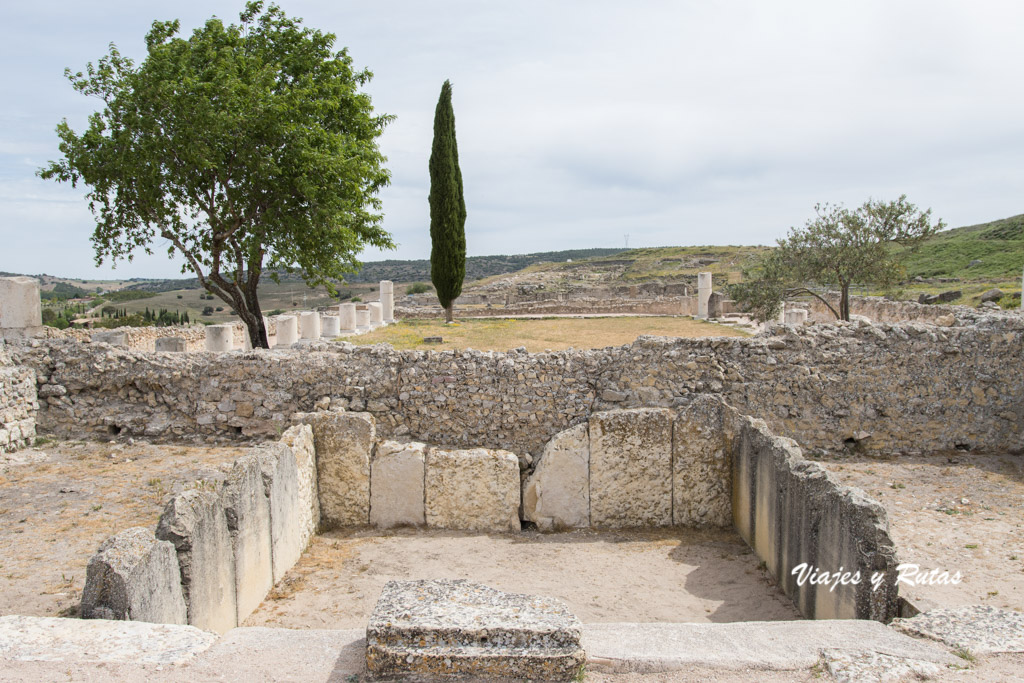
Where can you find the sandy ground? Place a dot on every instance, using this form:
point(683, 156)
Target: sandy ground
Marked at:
point(955, 512)
point(59, 502)
point(640, 576)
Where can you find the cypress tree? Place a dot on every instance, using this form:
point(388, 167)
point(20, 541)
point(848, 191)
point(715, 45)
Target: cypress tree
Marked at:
point(447, 207)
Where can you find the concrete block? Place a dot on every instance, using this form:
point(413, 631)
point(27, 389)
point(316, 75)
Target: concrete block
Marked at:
point(195, 523)
point(362, 319)
point(287, 331)
point(247, 510)
point(703, 294)
point(344, 443)
point(376, 313)
point(134, 577)
point(475, 489)
point(170, 344)
point(300, 439)
point(220, 338)
point(702, 464)
point(21, 313)
point(451, 627)
point(631, 468)
point(557, 494)
point(347, 317)
point(330, 326)
point(396, 485)
point(281, 483)
point(309, 325)
point(387, 300)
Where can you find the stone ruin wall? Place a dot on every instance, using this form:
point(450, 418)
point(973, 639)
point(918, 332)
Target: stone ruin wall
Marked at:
point(17, 404)
point(910, 387)
point(683, 305)
point(879, 309)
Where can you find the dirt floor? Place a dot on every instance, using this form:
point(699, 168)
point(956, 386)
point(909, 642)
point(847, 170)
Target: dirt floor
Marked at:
point(637, 576)
point(955, 512)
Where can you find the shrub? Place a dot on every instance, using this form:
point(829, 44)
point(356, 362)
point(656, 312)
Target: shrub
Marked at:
point(417, 288)
point(207, 310)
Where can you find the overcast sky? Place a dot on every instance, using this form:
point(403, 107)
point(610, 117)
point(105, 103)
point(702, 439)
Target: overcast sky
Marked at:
point(579, 122)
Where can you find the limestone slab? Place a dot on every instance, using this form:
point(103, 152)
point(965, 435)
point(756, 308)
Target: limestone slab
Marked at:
point(387, 300)
point(330, 326)
point(20, 308)
point(979, 629)
point(396, 485)
point(247, 509)
point(702, 465)
point(299, 438)
point(287, 331)
point(195, 523)
point(475, 489)
point(347, 317)
point(133, 576)
point(220, 338)
point(309, 325)
point(631, 468)
point(454, 627)
point(557, 494)
point(170, 344)
point(281, 482)
point(344, 442)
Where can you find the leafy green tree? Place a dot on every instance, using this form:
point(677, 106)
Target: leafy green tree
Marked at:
point(447, 207)
point(245, 148)
point(835, 249)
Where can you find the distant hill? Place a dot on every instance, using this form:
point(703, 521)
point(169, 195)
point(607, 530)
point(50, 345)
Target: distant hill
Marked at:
point(995, 249)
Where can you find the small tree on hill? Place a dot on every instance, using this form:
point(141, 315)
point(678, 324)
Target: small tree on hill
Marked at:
point(245, 147)
point(447, 208)
point(835, 249)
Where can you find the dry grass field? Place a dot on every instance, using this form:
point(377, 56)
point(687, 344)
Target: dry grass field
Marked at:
point(539, 334)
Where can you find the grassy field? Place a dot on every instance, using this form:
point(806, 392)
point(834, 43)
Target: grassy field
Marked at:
point(539, 334)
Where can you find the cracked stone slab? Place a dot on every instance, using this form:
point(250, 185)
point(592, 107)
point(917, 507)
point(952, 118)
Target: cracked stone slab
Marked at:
point(456, 627)
point(978, 628)
point(51, 639)
point(846, 666)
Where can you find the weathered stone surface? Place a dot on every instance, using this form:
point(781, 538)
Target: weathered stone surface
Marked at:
point(309, 325)
point(347, 317)
point(702, 464)
point(979, 629)
point(852, 666)
point(300, 439)
point(476, 489)
point(247, 510)
point(19, 402)
point(281, 482)
point(994, 294)
point(557, 494)
point(387, 300)
point(396, 485)
point(631, 468)
point(50, 639)
point(376, 313)
point(170, 344)
point(195, 523)
point(287, 331)
point(704, 285)
point(344, 443)
point(330, 326)
point(112, 337)
point(20, 308)
point(220, 338)
point(134, 577)
point(454, 627)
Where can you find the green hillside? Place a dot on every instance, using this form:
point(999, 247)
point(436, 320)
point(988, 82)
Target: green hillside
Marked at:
point(996, 250)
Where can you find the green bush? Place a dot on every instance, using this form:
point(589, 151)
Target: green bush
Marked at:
point(207, 310)
point(417, 288)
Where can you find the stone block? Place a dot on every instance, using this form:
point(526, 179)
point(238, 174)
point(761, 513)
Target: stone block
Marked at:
point(247, 509)
point(281, 483)
point(376, 313)
point(347, 317)
point(362, 319)
point(112, 337)
point(287, 331)
point(702, 464)
point(330, 326)
point(446, 627)
point(387, 300)
point(396, 485)
point(21, 313)
point(134, 577)
point(195, 523)
point(220, 338)
point(796, 316)
point(170, 344)
point(309, 325)
point(476, 490)
point(631, 468)
point(300, 439)
point(703, 294)
point(557, 494)
point(344, 442)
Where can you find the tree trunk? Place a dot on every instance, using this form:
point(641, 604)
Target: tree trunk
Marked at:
point(844, 303)
point(448, 316)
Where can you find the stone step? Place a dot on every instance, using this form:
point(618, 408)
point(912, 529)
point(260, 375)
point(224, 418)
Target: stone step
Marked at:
point(554, 664)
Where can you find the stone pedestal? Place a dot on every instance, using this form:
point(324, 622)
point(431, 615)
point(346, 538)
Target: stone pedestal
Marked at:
point(376, 314)
point(21, 315)
point(796, 316)
point(387, 300)
point(170, 344)
point(347, 317)
point(220, 338)
point(287, 331)
point(309, 325)
point(703, 294)
point(362, 319)
point(330, 326)
point(112, 337)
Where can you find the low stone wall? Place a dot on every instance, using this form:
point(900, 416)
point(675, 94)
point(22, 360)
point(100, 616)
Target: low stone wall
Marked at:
point(18, 404)
point(911, 387)
point(215, 554)
point(683, 305)
point(882, 310)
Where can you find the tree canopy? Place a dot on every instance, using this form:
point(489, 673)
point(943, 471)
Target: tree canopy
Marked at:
point(249, 148)
point(447, 207)
point(835, 249)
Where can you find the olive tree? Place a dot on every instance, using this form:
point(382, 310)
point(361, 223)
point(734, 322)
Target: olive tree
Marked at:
point(247, 149)
point(836, 248)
